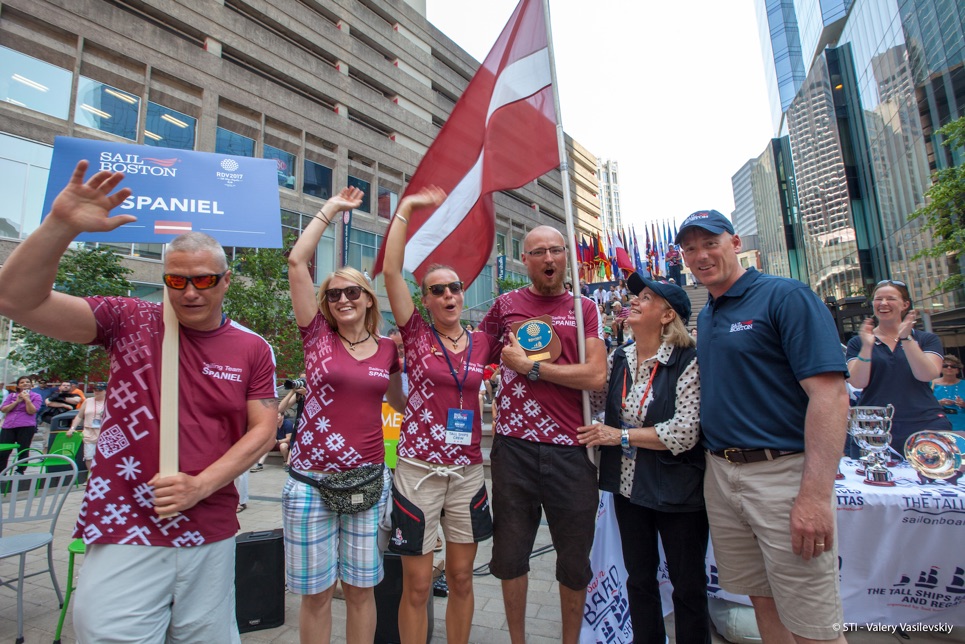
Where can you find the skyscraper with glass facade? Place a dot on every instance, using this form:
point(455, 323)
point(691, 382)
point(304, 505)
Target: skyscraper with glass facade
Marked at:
point(791, 31)
point(862, 135)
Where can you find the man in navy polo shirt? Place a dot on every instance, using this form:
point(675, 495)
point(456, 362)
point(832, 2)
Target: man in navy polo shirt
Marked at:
point(774, 411)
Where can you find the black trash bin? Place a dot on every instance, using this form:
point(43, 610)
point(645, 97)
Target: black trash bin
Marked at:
point(388, 594)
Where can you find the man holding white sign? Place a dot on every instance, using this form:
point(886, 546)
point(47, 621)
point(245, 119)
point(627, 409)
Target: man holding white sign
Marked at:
point(226, 420)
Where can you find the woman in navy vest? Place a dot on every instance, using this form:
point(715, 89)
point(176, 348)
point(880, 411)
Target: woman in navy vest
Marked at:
point(652, 463)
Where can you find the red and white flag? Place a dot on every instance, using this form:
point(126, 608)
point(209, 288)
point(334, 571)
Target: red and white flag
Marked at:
point(501, 135)
point(623, 258)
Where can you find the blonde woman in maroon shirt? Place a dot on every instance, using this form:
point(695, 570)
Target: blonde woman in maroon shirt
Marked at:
point(349, 368)
point(439, 479)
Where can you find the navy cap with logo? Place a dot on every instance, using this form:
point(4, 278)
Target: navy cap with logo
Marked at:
point(676, 297)
point(710, 220)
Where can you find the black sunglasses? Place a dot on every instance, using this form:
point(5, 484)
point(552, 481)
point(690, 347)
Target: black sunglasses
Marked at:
point(352, 293)
point(440, 289)
point(200, 282)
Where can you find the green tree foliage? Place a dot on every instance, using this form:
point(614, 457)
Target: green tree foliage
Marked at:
point(416, 291)
point(508, 284)
point(258, 298)
point(91, 271)
point(946, 208)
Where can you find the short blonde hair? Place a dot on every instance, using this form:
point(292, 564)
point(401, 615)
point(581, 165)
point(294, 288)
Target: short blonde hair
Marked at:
point(373, 317)
point(198, 242)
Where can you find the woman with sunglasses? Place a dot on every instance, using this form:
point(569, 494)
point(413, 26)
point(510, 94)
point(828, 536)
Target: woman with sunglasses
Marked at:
point(949, 392)
point(349, 369)
point(439, 477)
point(894, 364)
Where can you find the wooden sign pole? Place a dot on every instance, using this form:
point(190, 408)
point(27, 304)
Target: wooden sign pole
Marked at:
point(168, 440)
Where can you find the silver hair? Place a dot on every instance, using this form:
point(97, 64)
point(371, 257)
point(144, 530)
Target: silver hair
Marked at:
point(195, 242)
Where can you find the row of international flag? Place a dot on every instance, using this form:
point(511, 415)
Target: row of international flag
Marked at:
point(614, 255)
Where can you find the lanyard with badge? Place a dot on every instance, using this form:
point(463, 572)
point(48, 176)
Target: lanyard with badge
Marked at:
point(95, 423)
point(458, 421)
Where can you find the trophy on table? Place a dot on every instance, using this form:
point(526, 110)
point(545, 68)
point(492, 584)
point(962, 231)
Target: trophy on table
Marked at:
point(871, 429)
point(936, 456)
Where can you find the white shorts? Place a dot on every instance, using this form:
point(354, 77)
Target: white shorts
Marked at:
point(154, 594)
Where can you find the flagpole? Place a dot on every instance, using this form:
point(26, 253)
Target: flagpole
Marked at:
point(568, 214)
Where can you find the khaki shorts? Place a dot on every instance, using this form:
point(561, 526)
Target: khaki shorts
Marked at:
point(459, 501)
point(749, 508)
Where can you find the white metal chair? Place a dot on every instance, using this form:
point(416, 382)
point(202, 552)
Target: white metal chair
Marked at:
point(34, 497)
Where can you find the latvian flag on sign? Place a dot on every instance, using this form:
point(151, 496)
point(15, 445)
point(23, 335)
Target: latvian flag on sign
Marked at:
point(171, 227)
point(500, 135)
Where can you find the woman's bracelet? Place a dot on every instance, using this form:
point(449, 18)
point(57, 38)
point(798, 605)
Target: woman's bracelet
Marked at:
point(327, 221)
point(863, 359)
point(404, 220)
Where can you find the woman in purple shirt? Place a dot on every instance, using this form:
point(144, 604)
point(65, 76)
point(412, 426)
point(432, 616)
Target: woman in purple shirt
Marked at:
point(20, 422)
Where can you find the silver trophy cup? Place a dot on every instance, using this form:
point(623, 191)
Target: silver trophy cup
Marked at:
point(936, 456)
point(871, 429)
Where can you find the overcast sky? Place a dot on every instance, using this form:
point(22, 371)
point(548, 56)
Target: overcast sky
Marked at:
point(672, 91)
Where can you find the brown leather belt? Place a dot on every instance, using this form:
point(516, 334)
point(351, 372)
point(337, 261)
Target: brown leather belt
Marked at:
point(744, 456)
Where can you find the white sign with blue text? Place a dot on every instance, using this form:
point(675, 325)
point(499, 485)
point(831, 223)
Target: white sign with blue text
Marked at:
point(232, 198)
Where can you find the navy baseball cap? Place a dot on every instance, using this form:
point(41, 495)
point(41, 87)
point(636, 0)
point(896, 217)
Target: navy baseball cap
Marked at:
point(710, 220)
point(676, 297)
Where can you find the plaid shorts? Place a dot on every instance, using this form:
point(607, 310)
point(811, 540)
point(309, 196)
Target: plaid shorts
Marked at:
point(322, 546)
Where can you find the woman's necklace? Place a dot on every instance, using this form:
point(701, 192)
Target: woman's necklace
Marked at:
point(352, 345)
point(455, 341)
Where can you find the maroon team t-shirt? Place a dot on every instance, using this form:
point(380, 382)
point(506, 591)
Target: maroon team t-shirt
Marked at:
point(540, 411)
point(219, 372)
point(433, 391)
point(341, 425)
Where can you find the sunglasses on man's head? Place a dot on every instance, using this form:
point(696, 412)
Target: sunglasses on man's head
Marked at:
point(352, 293)
point(440, 289)
point(200, 282)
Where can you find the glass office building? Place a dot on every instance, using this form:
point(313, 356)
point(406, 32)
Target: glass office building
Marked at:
point(862, 129)
point(791, 31)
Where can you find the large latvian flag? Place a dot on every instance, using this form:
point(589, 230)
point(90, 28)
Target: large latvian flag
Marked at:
point(501, 135)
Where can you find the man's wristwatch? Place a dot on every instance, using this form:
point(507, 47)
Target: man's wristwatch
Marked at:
point(534, 372)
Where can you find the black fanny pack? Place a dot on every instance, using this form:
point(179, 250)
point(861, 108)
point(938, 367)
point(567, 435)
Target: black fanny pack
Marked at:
point(348, 492)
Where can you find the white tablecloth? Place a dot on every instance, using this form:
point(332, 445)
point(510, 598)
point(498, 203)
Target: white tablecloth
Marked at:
point(901, 549)
point(901, 553)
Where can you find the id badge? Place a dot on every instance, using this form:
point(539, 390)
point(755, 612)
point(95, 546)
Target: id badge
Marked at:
point(96, 423)
point(459, 427)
